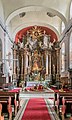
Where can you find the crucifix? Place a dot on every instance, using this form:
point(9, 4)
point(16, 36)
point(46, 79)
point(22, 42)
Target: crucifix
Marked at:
point(9, 58)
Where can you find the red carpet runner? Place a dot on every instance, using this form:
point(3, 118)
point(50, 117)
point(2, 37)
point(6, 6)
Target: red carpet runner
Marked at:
point(36, 110)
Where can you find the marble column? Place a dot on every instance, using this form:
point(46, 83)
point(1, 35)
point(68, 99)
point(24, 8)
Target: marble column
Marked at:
point(50, 65)
point(26, 61)
point(22, 67)
point(24, 70)
point(26, 65)
point(42, 61)
point(47, 65)
point(29, 62)
point(17, 63)
point(14, 64)
point(58, 63)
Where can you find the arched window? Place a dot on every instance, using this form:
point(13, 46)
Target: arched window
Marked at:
point(63, 57)
point(71, 10)
point(0, 56)
point(62, 27)
point(70, 52)
point(0, 49)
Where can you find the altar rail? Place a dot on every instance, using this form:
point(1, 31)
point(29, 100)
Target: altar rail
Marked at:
point(32, 83)
point(45, 93)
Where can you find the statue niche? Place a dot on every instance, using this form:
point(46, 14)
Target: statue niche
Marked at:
point(36, 65)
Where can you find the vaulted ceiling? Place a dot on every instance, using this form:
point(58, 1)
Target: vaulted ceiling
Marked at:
point(22, 14)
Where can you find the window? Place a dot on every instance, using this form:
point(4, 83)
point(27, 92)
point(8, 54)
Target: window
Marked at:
point(0, 49)
point(71, 10)
point(63, 58)
point(70, 52)
point(1, 56)
point(62, 27)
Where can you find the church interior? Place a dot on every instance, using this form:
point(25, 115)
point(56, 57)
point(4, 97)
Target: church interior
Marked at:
point(36, 59)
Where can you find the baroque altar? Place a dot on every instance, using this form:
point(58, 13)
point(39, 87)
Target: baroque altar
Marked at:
point(36, 56)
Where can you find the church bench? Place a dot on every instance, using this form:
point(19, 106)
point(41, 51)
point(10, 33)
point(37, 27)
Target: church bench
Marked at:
point(65, 100)
point(4, 100)
point(66, 95)
point(5, 95)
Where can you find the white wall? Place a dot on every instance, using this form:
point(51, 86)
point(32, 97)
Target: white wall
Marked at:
point(6, 44)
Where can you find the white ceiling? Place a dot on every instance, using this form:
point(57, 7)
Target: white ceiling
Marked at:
point(36, 14)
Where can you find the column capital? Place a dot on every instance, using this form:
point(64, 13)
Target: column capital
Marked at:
point(57, 49)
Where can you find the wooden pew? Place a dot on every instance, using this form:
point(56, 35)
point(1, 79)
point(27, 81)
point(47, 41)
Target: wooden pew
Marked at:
point(65, 100)
point(6, 105)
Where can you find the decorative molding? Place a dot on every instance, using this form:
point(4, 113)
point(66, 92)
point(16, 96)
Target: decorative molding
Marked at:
point(67, 30)
point(4, 29)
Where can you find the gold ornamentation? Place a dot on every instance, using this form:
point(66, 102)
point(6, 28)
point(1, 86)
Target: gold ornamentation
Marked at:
point(35, 32)
point(36, 61)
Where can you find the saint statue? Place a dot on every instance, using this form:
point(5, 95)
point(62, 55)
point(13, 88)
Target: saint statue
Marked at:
point(45, 40)
point(36, 61)
point(31, 42)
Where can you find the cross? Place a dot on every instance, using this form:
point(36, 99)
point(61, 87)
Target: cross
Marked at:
point(9, 58)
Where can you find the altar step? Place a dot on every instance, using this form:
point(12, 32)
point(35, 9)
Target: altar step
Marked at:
point(48, 93)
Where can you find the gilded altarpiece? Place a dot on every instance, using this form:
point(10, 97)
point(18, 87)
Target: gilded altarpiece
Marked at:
point(36, 56)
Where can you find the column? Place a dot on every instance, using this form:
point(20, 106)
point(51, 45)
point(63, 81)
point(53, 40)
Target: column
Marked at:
point(26, 61)
point(46, 65)
point(14, 64)
point(26, 65)
point(17, 63)
point(50, 65)
point(29, 61)
point(42, 61)
point(58, 63)
point(22, 67)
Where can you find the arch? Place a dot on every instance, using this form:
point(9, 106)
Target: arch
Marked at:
point(1, 13)
point(71, 10)
point(70, 51)
point(35, 8)
point(32, 24)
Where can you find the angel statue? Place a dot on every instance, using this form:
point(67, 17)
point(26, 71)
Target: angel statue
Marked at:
point(45, 40)
point(32, 43)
